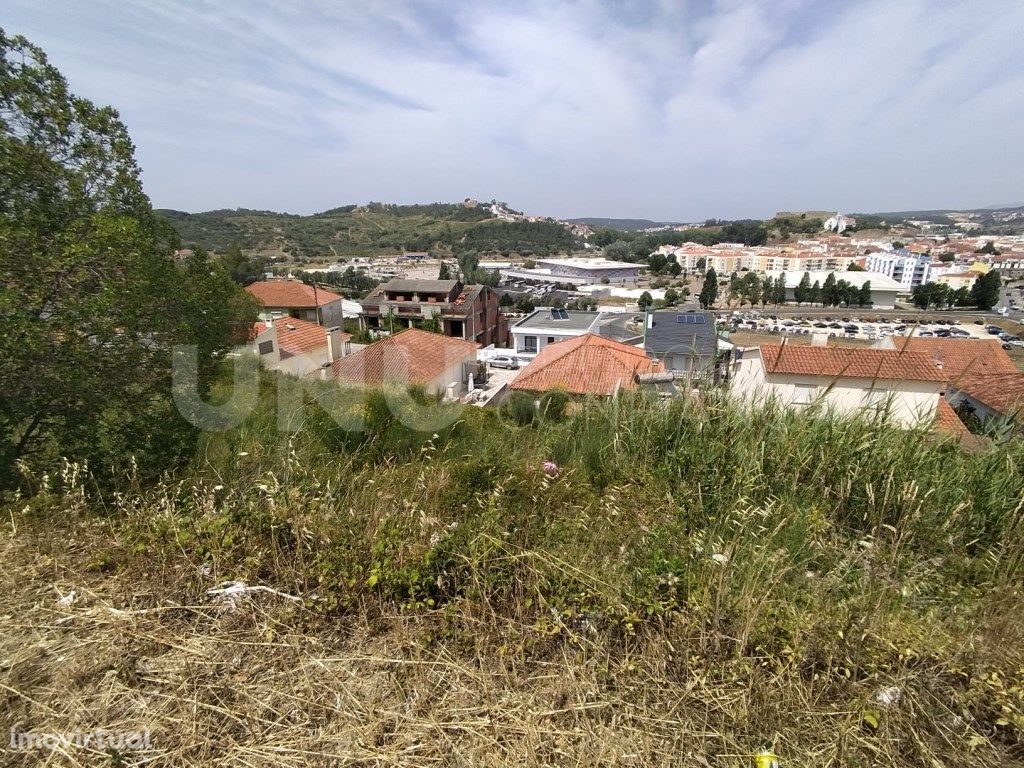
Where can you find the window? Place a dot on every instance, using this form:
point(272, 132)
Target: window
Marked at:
point(529, 343)
point(551, 339)
point(266, 347)
point(804, 394)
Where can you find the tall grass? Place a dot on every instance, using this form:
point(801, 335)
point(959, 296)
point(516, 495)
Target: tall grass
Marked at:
point(836, 556)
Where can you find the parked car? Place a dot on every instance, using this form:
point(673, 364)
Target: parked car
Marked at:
point(504, 361)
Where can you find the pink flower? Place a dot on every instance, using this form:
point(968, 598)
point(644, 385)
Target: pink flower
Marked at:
point(551, 469)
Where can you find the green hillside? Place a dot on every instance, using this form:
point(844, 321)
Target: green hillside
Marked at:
point(375, 228)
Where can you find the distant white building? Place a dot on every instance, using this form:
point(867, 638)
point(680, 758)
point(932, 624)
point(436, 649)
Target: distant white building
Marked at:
point(838, 223)
point(884, 289)
point(908, 269)
point(576, 271)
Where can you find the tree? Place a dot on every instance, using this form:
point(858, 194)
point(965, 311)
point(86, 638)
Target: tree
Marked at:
point(444, 272)
point(864, 295)
point(709, 291)
point(829, 294)
point(242, 269)
point(674, 269)
point(989, 248)
point(802, 292)
point(645, 301)
point(855, 267)
point(671, 297)
point(780, 289)
point(91, 300)
point(815, 294)
point(985, 291)
point(617, 251)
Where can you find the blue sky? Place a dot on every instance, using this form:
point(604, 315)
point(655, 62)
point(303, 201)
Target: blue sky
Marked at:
point(665, 110)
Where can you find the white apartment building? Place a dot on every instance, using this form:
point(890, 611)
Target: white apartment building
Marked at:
point(908, 269)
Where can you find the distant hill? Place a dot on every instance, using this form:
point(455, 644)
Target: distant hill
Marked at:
point(623, 224)
point(360, 230)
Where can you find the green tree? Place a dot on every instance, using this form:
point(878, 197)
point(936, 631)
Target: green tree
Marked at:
point(815, 295)
point(802, 292)
point(671, 297)
point(709, 291)
point(91, 300)
point(242, 269)
point(645, 301)
point(985, 291)
point(829, 295)
point(989, 248)
point(854, 267)
point(444, 272)
point(780, 289)
point(617, 251)
point(864, 295)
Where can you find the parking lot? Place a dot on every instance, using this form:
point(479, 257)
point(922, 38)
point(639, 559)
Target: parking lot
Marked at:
point(865, 328)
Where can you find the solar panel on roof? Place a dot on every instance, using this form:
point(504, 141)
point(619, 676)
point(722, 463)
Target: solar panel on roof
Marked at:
point(691, 319)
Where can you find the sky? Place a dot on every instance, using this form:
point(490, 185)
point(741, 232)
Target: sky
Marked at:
point(674, 111)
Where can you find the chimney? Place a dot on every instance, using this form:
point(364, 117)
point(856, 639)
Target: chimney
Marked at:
point(336, 346)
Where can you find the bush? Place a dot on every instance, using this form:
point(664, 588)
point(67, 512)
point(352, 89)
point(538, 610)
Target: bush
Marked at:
point(553, 405)
point(520, 408)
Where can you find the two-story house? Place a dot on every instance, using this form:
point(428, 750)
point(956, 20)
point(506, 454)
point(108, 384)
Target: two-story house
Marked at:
point(468, 312)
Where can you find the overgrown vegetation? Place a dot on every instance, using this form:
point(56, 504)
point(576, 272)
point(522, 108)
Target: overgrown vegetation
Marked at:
point(713, 580)
point(367, 230)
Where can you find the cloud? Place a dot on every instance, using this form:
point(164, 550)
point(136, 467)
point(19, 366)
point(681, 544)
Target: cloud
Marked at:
point(669, 110)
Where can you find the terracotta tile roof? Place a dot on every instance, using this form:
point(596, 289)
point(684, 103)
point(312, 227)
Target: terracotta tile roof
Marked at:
point(297, 337)
point(1003, 392)
point(585, 365)
point(850, 363)
point(291, 294)
point(960, 357)
point(947, 421)
point(410, 357)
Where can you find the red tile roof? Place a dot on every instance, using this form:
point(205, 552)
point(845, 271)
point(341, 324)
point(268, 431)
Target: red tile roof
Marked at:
point(587, 364)
point(850, 363)
point(296, 337)
point(291, 294)
point(1002, 392)
point(947, 421)
point(959, 357)
point(410, 357)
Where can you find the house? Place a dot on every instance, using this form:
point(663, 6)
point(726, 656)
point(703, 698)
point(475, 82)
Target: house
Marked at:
point(585, 365)
point(287, 297)
point(958, 280)
point(299, 347)
point(550, 325)
point(684, 342)
point(961, 357)
point(844, 380)
point(467, 312)
point(991, 396)
point(440, 364)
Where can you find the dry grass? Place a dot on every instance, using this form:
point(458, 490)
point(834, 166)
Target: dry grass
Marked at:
point(698, 583)
point(269, 684)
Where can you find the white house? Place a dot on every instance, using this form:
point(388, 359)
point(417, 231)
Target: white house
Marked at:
point(285, 297)
point(299, 347)
point(440, 364)
point(847, 381)
point(549, 325)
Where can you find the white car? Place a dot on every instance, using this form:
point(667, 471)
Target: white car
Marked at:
point(503, 361)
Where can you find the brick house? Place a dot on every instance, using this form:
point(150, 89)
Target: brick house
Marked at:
point(468, 312)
